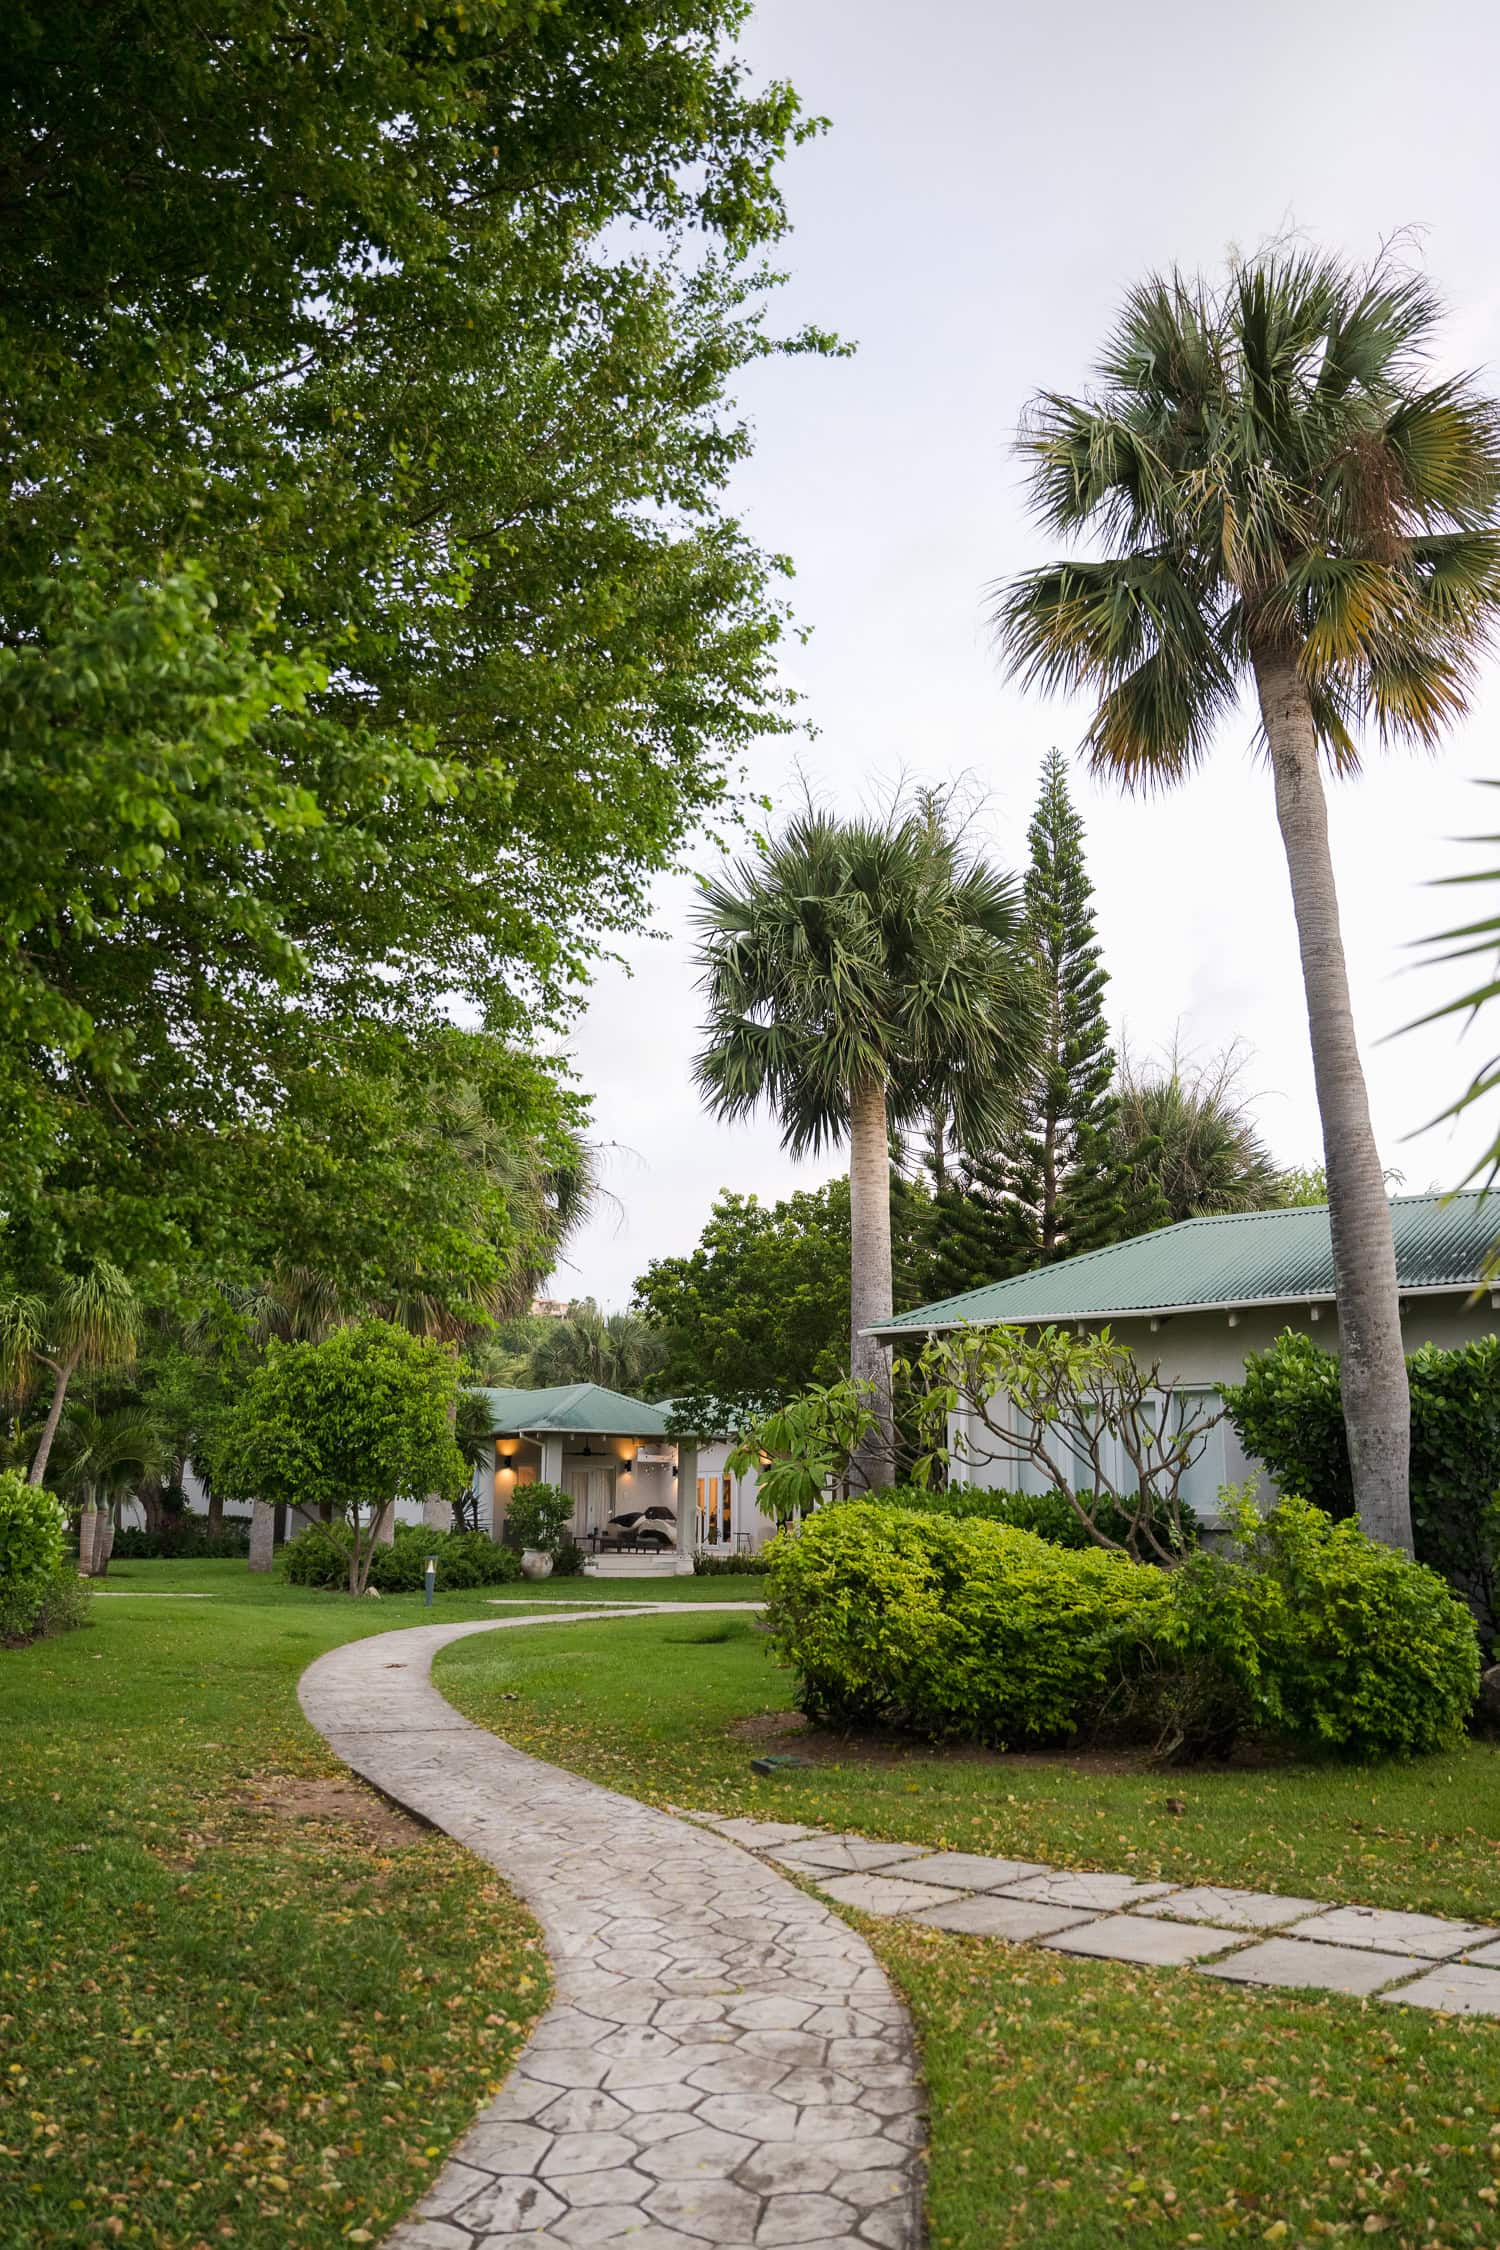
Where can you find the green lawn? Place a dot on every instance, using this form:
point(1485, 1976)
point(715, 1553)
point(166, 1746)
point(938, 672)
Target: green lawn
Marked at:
point(671, 1709)
point(1079, 2103)
point(237, 2006)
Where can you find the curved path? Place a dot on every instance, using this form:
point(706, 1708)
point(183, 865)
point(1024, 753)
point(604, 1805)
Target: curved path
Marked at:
point(723, 2061)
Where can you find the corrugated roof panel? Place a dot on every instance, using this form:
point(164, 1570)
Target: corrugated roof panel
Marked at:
point(1246, 1258)
point(584, 1408)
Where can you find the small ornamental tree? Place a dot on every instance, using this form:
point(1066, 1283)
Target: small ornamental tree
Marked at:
point(1075, 1407)
point(804, 1451)
point(353, 1423)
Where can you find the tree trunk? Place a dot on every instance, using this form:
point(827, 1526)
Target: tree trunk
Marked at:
point(215, 1513)
point(1372, 1364)
point(64, 1373)
point(870, 1273)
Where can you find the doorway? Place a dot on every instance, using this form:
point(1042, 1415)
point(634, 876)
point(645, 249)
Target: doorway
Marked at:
point(593, 1492)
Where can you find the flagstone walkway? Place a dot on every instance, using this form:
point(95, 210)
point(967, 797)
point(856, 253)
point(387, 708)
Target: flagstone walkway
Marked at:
point(1243, 1937)
point(724, 2062)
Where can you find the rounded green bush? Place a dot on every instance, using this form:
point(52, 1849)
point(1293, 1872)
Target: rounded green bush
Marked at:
point(950, 1626)
point(33, 1546)
point(1362, 1651)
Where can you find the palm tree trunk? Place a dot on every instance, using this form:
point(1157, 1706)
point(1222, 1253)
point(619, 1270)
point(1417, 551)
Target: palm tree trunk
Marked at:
point(870, 1272)
point(63, 1370)
point(1372, 1364)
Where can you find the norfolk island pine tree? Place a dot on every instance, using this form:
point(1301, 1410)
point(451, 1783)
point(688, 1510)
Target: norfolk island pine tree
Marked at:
point(1286, 496)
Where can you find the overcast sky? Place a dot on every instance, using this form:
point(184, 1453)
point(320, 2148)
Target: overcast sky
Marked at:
point(994, 177)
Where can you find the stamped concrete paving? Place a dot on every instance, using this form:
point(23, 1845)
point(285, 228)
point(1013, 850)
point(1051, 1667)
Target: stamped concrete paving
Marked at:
point(1364, 1951)
point(724, 2061)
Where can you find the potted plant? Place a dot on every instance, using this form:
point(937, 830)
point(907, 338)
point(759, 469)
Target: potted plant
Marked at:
point(536, 1521)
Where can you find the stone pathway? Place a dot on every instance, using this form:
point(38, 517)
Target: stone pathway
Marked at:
point(1243, 1937)
point(723, 2062)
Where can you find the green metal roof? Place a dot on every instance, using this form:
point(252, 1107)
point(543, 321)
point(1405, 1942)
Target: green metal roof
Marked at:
point(1214, 1265)
point(585, 1409)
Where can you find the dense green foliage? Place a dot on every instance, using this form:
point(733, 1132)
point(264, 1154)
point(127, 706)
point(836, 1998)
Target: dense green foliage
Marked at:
point(950, 1626)
point(964, 1626)
point(1315, 1634)
point(351, 1424)
point(1188, 1146)
point(319, 1556)
point(759, 1310)
point(1289, 1415)
point(33, 1539)
point(537, 1517)
point(371, 621)
point(1048, 1514)
point(621, 1350)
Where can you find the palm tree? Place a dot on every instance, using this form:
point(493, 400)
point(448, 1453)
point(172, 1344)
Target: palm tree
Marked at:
point(1286, 497)
point(100, 1459)
point(1188, 1144)
point(90, 1317)
point(858, 975)
point(618, 1350)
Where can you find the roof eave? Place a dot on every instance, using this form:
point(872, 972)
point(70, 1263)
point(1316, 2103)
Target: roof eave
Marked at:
point(911, 1327)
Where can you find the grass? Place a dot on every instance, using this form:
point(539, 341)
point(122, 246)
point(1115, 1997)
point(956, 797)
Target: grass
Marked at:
point(224, 2023)
point(674, 1711)
point(1078, 2103)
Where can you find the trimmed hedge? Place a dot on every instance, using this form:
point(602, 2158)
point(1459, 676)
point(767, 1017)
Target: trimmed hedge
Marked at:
point(186, 1537)
point(1313, 1633)
point(319, 1556)
point(1048, 1514)
point(1289, 1415)
point(730, 1566)
point(962, 1627)
point(950, 1626)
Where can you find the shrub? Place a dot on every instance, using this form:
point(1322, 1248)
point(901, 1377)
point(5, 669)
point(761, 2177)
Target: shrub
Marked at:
point(537, 1517)
point(1289, 1415)
point(730, 1566)
point(1310, 1631)
point(67, 1602)
point(185, 1536)
point(1048, 1514)
point(319, 1556)
point(33, 1549)
point(949, 1625)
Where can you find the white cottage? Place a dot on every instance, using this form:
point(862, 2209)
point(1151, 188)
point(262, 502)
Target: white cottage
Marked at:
point(1199, 1297)
point(642, 1495)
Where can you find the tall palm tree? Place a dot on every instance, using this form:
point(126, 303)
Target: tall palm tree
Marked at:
point(1285, 496)
point(858, 975)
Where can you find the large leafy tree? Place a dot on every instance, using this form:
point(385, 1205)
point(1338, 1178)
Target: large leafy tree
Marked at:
point(858, 975)
point(370, 621)
point(758, 1311)
point(1286, 497)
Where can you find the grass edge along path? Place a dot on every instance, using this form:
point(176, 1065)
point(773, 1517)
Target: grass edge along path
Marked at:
point(1075, 2102)
point(242, 2002)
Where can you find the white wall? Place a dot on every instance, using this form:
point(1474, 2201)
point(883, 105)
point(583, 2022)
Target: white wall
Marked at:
point(1195, 1352)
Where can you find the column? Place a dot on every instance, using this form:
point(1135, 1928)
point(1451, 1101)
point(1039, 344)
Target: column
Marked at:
point(262, 1536)
point(385, 1526)
point(551, 1471)
point(687, 1505)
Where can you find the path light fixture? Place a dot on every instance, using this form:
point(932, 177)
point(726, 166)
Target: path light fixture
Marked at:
point(429, 1580)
